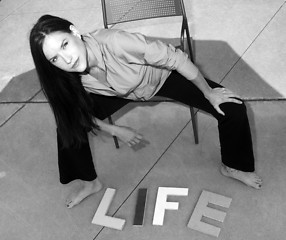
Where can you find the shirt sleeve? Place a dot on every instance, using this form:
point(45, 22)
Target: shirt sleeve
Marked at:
point(134, 48)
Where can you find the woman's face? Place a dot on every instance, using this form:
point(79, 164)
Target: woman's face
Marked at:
point(65, 51)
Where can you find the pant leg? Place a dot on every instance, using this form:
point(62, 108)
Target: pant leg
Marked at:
point(234, 131)
point(76, 162)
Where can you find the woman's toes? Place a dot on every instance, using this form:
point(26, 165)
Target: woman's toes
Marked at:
point(68, 204)
point(249, 178)
point(259, 180)
point(87, 189)
point(258, 185)
point(74, 200)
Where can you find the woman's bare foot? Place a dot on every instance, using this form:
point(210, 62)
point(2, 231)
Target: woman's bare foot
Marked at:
point(85, 190)
point(249, 178)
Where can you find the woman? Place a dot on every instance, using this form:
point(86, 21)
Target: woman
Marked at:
point(125, 66)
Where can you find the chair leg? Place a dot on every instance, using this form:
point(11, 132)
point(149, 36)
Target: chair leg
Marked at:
point(195, 124)
point(114, 137)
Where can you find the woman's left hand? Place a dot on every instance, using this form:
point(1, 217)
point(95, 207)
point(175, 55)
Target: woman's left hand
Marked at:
point(218, 96)
point(127, 135)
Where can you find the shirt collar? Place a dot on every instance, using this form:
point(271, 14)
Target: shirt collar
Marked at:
point(95, 48)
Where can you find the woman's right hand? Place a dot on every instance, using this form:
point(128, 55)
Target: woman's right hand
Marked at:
point(219, 95)
point(127, 135)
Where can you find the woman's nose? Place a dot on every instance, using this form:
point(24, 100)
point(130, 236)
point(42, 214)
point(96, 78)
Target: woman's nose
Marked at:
point(67, 58)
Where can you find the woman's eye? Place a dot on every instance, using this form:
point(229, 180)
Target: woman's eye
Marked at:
point(53, 60)
point(65, 44)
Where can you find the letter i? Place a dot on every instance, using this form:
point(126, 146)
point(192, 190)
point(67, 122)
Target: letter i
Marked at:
point(140, 207)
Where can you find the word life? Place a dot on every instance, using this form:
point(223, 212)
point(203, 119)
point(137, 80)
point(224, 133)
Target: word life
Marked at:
point(201, 210)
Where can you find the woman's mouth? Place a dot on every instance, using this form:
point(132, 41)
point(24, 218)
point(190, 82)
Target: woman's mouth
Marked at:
point(75, 64)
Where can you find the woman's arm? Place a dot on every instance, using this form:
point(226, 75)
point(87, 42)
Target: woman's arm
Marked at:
point(215, 96)
point(125, 134)
point(136, 49)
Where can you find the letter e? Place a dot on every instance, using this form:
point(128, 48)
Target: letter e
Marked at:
point(202, 209)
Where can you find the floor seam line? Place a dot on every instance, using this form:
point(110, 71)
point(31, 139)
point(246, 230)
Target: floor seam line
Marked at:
point(260, 32)
point(14, 10)
point(8, 119)
point(143, 178)
point(18, 110)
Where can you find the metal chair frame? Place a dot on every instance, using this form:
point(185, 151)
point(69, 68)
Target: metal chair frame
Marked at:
point(130, 10)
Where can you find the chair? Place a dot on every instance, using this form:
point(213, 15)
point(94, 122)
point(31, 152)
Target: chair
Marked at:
point(120, 11)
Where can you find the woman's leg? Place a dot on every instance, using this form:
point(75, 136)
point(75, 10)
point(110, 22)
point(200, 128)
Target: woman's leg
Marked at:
point(234, 130)
point(76, 163)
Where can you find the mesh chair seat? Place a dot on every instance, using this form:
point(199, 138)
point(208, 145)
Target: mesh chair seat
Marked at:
point(118, 11)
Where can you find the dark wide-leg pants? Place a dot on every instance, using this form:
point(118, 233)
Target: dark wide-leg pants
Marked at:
point(76, 162)
point(234, 130)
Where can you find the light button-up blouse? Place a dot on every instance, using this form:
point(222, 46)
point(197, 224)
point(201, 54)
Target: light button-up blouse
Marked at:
point(129, 65)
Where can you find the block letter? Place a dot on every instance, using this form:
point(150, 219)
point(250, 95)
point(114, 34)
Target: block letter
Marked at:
point(202, 209)
point(100, 217)
point(162, 204)
point(140, 207)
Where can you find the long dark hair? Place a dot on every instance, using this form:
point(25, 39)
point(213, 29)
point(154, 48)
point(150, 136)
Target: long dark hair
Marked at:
point(71, 104)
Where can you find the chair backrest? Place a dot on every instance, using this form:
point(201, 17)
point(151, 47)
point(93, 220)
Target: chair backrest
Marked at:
point(119, 11)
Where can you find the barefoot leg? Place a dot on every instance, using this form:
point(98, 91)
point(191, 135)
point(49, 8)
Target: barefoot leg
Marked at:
point(85, 190)
point(249, 178)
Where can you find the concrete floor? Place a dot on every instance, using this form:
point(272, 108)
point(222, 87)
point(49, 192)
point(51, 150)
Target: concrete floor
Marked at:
point(239, 43)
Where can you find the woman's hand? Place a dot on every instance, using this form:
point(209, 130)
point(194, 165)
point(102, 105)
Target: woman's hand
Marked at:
point(218, 96)
point(127, 135)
